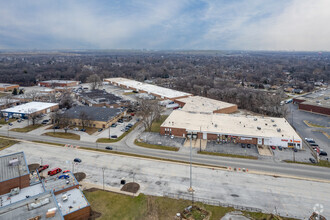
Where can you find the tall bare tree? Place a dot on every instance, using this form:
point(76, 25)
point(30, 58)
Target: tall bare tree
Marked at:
point(65, 121)
point(84, 119)
point(33, 117)
point(149, 111)
point(94, 81)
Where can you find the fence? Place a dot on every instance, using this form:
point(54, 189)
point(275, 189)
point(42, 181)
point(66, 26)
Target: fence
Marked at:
point(210, 202)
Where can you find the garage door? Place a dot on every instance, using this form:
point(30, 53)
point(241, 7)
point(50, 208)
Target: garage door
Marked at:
point(204, 136)
point(266, 141)
point(48, 110)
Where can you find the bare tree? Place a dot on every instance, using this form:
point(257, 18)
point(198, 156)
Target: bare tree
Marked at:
point(94, 81)
point(84, 119)
point(149, 111)
point(56, 118)
point(66, 100)
point(33, 116)
point(33, 95)
point(65, 121)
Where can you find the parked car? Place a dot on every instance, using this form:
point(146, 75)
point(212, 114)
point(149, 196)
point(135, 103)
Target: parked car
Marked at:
point(66, 171)
point(56, 127)
point(295, 150)
point(54, 171)
point(273, 147)
point(19, 120)
point(243, 145)
point(101, 129)
point(126, 129)
point(76, 129)
point(108, 148)
point(43, 167)
point(77, 160)
point(323, 153)
point(310, 140)
point(132, 114)
point(10, 124)
point(83, 129)
point(129, 125)
point(313, 144)
point(120, 121)
point(312, 160)
point(114, 125)
point(248, 145)
point(280, 148)
point(65, 176)
point(114, 136)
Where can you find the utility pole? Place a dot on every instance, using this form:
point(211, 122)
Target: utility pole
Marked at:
point(109, 131)
point(200, 140)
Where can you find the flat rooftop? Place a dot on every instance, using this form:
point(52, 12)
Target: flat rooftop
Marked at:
point(58, 81)
point(100, 96)
point(203, 104)
point(31, 207)
point(319, 98)
point(75, 201)
point(17, 169)
point(93, 113)
point(4, 85)
point(30, 107)
point(24, 193)
point(149, 88)
point(231, 125)
point(56, 184)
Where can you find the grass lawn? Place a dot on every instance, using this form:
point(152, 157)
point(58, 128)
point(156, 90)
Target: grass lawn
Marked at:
point(107, 140)
point(4, 143)
point(128, 93)
point(322, 163)
point(154, 146)
point(228, 155)
point(155, 127)
point(3, 122)
point(118, 206)
point(63, 135)
point(27, 128)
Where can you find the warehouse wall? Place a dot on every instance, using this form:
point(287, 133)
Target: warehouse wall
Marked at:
point(314, 109)
point(21, 182)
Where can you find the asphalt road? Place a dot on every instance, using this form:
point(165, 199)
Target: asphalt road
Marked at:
point(127, 146)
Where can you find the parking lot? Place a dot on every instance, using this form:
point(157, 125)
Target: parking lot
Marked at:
point(156, 138)
point(278, 155)
point(297, 117)
point(289, 196)
point(116, 131)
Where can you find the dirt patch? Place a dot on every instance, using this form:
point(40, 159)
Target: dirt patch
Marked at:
point(33, 166)
point(195, 212)
point(80, 176)
point(94, 215)
point(91, 190)
point(131, 187)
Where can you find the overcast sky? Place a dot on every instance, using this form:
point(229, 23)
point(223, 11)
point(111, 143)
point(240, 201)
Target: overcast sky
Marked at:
point(165, 24)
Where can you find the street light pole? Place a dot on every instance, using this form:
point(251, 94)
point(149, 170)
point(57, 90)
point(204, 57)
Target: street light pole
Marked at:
point(103, 176)
point(191, 190)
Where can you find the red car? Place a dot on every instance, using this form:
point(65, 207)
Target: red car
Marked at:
point(273, 147)
point(66, 171)
point(54, 171)
point(43, 167)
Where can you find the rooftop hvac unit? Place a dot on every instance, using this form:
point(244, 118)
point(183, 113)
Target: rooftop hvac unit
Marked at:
point(14, 191)
point(255, 119)
point(64, 197)
point(215, 125)
point(266, 124)
point(274, 125)
point(259, 128)
point(279, 130)
point(14, 162)
point(272, 120)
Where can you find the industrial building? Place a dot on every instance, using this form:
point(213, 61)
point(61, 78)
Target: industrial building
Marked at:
point(24, 110)
point(100, 98)
point(50, 197)
point(58, 83)
point(318, 102)
point(14, 172)
point(97, 117)
point(8, 102)
point(157, 91)
point(205, 105)
point(266, 131)
point(5, 87)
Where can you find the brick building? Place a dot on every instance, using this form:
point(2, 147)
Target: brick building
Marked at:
point(58, 83)
point(205, 105)
point(318, 102)
point(5, 87)
point(24, 110)
point(238, 129)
